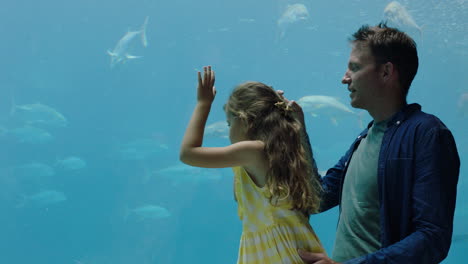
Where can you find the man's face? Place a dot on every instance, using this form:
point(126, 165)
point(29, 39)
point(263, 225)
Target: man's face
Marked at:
point(362, 77)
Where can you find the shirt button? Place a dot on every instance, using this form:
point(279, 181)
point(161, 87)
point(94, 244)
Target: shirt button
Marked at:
point(398, 122)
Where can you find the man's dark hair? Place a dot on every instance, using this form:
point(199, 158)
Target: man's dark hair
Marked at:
point(391, 45)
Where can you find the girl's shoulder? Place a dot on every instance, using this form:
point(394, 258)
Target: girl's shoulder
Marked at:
point(251, 144)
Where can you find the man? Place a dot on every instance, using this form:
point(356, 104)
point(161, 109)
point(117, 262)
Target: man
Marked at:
point(396, 185)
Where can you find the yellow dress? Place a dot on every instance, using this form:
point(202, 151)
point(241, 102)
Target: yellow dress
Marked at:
point(270, 234)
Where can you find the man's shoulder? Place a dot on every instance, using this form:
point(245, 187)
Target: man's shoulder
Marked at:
point(425, 120)
point(424, 125)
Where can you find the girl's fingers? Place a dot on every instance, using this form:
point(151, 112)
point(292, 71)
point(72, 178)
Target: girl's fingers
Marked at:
point(212, 78)
point(203, 78)
point(208, 77)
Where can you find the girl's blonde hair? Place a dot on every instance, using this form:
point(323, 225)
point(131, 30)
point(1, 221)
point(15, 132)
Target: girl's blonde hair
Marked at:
point(291, 175)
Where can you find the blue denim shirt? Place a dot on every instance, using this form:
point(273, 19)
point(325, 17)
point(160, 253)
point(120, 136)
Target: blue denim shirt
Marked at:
point(418, 170)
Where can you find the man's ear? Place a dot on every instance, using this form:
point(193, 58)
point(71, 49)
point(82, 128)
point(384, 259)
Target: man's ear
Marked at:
point(388, 70)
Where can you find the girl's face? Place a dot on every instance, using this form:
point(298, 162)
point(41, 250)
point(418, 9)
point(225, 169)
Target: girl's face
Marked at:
point(237, 128)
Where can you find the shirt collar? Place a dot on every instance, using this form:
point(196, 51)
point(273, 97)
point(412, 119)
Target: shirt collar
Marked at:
point(403, 114)
point(400, 116)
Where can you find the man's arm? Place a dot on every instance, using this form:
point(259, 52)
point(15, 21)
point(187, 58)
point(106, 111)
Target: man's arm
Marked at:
point(332, 180)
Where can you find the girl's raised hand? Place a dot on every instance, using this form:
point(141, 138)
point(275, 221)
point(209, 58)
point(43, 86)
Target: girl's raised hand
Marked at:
point(206, 90)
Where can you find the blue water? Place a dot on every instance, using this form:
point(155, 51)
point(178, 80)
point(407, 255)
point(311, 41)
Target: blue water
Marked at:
point(55, 53)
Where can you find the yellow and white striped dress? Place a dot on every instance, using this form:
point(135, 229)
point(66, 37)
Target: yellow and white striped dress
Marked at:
point(270, 234)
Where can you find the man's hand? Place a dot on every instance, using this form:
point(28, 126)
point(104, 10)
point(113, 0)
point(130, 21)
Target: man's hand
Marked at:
point(315, 258)
point(296, 108)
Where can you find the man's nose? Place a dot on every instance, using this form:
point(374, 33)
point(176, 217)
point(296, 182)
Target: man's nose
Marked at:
point(346, 79)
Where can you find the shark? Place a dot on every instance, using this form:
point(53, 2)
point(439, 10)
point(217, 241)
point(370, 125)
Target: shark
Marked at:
point(120, 52)
point(293, 14)
point(398, 14)
point(328, 106)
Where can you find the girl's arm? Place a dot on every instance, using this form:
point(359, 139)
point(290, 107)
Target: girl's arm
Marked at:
point(242, 153)
point(206, 92)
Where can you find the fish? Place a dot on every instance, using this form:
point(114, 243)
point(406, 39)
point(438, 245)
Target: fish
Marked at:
point(462, 105)
point(293, 14)
point(460, 238)
point(147, 212)
point(181, 174)
point(38, 114)
point(397, 14)
point(120, 52)
point(71, 163)
point(327, 105)
point(30, 135)
point(218, 129)
point(3, 131)
point(141, 149)
point(43, 199)
point(34, 169)
point(246, 20)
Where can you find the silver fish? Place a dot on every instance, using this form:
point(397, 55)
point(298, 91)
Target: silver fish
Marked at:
point(71, 163)
point(120, 52)
point(141, 149)
point(34, 169)
point(463, 105)
point(43, 199)
point(30, 135)
point(38, 114)
point(218, 129)
point(182, 174)
point(147, 212)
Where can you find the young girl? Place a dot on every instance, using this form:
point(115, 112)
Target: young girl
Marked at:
point(274, 184)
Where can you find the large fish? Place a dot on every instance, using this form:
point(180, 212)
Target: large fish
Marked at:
point(325, 105)
point(397, 14)
point(38, 114)
point(293, 14)
point(120, 52)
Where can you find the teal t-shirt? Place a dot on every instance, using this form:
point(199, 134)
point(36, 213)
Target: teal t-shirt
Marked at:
point(358, 231)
